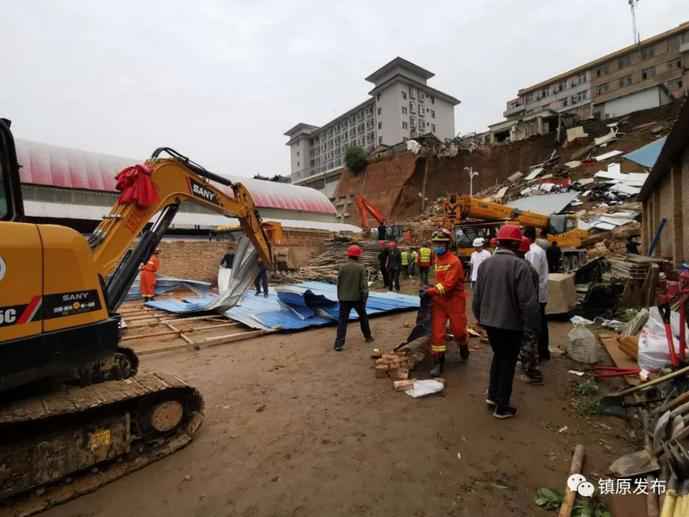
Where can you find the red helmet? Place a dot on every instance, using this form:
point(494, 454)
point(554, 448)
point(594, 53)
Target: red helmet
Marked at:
point(510, 232)
point(493, 242)
point(354, 251)
point(524, 245)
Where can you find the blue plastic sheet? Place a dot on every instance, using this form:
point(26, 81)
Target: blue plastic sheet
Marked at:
point(648, 154)
point(288, 309)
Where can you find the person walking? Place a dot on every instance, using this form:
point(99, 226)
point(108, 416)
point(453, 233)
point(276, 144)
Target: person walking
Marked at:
point(404, 254)
point(352, 293)
point(554, 256)
point(537, 258)
point(479, 255)
point(394, 265)
point(448, 301)
point(148, 276)
point(413, 257)
point(505, 303)
point(425, 257)
point(383, 264)
point(261, 280)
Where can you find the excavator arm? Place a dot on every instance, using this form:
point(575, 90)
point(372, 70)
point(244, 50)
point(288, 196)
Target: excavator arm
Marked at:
point(364, 207)
point(175, 179)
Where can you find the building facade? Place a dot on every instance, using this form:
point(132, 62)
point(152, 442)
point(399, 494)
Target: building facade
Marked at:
point(637, 77)
point(401, 106)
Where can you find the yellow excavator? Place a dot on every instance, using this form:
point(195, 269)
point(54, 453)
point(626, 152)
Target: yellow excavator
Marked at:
point(70, 397)
point(472, 217)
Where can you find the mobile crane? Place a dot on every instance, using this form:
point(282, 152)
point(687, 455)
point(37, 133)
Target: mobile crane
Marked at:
point(472, 217)
point(59, 296)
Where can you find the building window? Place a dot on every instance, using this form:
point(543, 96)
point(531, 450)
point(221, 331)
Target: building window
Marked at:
point(412, 122)
point(421, 96)
point(648, 73)
point(378, 97)
point(433, 127)
point(404, 125)
point(679, 63)
point(297, 153)
point(380, 125)
point(647, 52)
point(404, 95)
point(298, 164)
point(421, 114)
point(624, 61)
point(380, 140)
point(412, 107)
point(602, 70)
point(432, 113)
point(380, 111)
point(412, 92)
point(404, 110)
point(432, 99)
point(602, 88)
point(625, 81)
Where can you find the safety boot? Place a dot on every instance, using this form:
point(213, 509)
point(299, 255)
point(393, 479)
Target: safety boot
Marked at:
point(438, 364)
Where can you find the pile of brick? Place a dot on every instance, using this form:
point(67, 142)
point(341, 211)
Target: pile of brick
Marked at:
point(397, 365)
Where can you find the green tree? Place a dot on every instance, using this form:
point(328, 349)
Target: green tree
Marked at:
point(355, 158)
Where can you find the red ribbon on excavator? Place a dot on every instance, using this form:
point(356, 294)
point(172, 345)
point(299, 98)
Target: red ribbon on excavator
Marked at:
point(136, 186)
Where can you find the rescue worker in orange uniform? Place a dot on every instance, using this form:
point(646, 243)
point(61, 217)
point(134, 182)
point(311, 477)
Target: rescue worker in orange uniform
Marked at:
point(449, 301)
point(148, 276)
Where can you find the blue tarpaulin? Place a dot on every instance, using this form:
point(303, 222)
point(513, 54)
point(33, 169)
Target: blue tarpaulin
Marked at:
point(287, 308)
point(647, 156)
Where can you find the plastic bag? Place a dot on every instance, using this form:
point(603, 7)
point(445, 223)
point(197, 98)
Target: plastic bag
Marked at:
point(425, 387)
point(654, 353)
point(583, 345)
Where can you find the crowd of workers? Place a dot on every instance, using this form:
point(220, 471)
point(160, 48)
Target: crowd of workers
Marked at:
point(510, 293)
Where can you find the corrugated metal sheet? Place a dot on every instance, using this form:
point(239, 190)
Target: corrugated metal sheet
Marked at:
point(547, 204)
point(648, 154)
point(271, 314)
point(49, 165)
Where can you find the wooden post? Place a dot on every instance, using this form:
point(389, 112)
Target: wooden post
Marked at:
point(575, 468)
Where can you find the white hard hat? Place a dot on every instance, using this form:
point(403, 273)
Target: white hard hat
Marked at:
point(478, 242)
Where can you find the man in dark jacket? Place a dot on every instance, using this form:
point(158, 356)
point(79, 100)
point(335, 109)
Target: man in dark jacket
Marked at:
point(381, 232)
point(352, 293)
point(505, 303)
point(394, 266)
point(261, 281)
point(554, 255)
point(383, 264)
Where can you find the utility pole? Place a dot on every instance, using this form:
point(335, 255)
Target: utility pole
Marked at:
point(635, 28)
point(472, 174)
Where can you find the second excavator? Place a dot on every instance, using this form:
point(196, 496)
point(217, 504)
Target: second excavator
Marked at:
point(71, 402)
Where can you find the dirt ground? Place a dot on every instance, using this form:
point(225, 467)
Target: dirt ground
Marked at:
point(295, 429)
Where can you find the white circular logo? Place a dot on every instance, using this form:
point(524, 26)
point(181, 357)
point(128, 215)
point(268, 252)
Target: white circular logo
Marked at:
point(574, 481)
point(3, 268)
point(586, 489)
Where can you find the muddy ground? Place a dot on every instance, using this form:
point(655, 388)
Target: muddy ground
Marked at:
point(296, 429)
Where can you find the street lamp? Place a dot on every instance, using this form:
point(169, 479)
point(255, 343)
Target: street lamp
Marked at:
point(472, 173)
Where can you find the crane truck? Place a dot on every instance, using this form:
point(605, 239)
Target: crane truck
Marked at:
point(71, 400)
point(472, 217)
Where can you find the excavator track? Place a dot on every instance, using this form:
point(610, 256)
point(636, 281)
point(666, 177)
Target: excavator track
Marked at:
point(64, 444)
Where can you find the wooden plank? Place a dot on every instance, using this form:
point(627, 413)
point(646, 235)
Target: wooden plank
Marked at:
point(621, 360)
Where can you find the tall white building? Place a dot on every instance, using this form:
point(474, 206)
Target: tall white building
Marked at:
point(401, 106)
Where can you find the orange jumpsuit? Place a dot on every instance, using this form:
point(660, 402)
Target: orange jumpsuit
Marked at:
point(449, 302)
point(148, 277)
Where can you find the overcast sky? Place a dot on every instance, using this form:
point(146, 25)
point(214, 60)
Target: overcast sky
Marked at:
point(222, 81)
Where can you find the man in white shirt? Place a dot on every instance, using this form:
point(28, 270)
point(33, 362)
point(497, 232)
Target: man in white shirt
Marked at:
point(537, 257)
point(477, 257)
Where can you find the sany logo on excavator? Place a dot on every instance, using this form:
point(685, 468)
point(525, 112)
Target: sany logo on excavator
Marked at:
point(199, 190)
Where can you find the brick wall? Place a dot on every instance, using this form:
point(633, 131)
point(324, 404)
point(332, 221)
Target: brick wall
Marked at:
point(199, 259)
point(192, 259)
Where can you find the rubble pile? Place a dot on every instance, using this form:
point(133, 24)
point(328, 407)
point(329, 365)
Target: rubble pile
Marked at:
point(324, 267)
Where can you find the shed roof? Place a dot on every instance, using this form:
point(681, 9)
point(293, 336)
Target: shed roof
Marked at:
point(53, 166)
point(677, 142)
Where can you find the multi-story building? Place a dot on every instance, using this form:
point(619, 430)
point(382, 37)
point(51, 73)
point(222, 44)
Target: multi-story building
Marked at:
point(401, 106)
point(639, 76)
